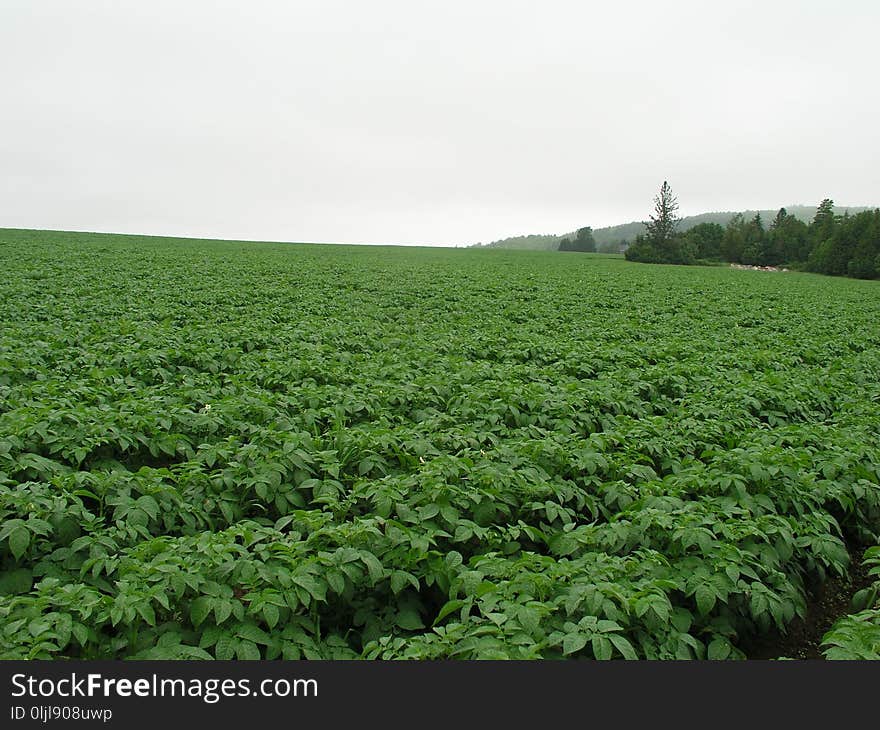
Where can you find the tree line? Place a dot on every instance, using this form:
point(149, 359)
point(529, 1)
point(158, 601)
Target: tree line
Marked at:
point(840, 245)
point(583, 241)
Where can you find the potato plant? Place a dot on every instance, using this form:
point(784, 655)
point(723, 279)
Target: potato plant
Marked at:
point(258, 451)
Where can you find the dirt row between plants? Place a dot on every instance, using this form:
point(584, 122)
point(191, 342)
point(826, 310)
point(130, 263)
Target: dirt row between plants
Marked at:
point(826, 603)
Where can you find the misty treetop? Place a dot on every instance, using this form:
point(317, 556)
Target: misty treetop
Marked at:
point(840, 245)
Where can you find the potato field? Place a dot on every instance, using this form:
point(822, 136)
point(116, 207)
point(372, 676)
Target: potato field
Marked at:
point(256, 451)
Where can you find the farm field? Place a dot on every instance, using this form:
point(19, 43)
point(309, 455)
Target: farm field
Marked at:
point(243, 450)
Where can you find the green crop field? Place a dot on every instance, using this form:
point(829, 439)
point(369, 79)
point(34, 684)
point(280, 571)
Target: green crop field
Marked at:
point(243, 450)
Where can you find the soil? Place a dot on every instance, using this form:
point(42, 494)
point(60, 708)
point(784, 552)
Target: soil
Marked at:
point(828, 602)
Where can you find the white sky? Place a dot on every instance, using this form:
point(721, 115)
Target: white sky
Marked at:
point(435, 123)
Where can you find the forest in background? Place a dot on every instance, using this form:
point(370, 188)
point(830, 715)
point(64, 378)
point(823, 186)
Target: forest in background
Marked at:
point(613, 239)
point(839, 245)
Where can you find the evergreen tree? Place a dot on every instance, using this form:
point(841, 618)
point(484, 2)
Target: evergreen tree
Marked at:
point(754, 250)
point(822, 244)
point(865, 261)
point(824, 215)
point(661, 228)
point(734, 239)
point(787, 240)
point(775, 250)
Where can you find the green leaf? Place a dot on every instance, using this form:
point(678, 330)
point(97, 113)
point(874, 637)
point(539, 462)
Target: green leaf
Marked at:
point(448, 607)
point(19, 539)
point(623, 646)
point(606, 626)
point(336, 580)
point(247, 651)
point(80, 633)
point(316, 590)
point(681, 619)
point(719, 648)
point(227, 511)
point(254, 633)
point(209, 636)
point(705, 599)
point(528, 618)
point(226, 646)
point(148, 505)
point(602, 648)
point(147, 613)
point(573, 643)
point(864, 598)
point(192, 652)
point(200, 608)
point(374, 567)
point(222, 610)
point(400, 579)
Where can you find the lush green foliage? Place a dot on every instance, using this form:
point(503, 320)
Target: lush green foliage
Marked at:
point(704, 241)
point(840, 245)
point(252, 450)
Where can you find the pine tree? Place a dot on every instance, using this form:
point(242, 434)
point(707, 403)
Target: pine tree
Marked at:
point(822, 233)
point(661, 228)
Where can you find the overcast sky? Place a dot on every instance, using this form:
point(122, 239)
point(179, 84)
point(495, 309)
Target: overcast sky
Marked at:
point(435, 123)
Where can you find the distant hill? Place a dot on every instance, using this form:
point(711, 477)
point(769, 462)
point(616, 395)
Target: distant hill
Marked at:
point(626, 232)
